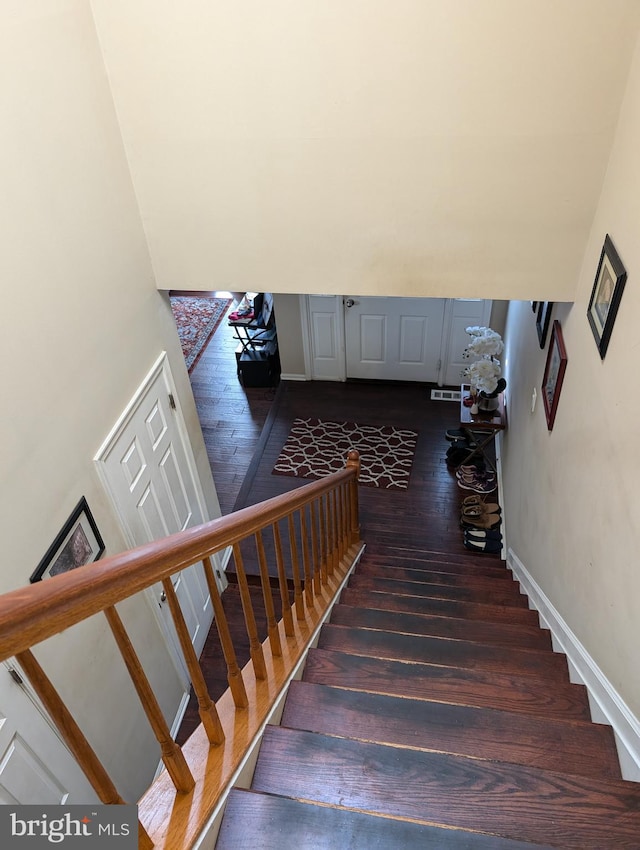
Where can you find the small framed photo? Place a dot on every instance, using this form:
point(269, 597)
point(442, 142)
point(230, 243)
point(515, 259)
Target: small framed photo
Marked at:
point(554, 374)
point(543, 320)
point(79, 542)
point(605, 295)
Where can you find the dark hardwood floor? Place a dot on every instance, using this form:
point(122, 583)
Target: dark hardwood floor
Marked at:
point(244, 430)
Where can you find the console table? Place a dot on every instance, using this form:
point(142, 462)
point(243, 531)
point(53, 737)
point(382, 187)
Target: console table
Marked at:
point(481, 427)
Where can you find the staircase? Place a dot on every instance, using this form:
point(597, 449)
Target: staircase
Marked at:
point(434, 714)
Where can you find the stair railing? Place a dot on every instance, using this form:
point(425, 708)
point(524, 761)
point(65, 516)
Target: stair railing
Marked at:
point(321, 528)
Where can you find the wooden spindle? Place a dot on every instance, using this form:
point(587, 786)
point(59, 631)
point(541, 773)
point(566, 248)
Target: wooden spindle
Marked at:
point(324, 541)
point(172, 756)
point(206, 709)
point(255, 647)
point(234, 674)
point(284, 585)
point(315, 548)
point(353, 462)
point(340, 521)
point(267, 595)
point(306, 558)
point(69, 730)
point(331, 514)
point(295, 569)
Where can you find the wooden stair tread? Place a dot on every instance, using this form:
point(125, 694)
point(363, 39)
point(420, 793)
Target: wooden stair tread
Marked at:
point(437, 566)
point(484, 631)
point(577, 747)
point(437, 605)
point(408, 574)
point(479, 688)
point(270, 822)
point(525, 803)
point(446, 651)
point(500, 593)
point(383, 544)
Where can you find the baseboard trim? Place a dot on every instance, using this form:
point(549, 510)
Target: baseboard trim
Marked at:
point(607, 706)
point(293, 376)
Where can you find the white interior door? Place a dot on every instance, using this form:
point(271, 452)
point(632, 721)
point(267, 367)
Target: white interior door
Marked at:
point(396, 339)
point(35, 765)
point(147, 466)
point(463, 313)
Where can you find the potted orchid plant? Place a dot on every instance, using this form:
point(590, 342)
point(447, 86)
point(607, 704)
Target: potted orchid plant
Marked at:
point(485, 373)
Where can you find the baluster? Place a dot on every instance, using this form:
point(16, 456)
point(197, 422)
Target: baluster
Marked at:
point(172, 755)
point(340, 521)
point(331, 529)
point(69, 730)
point(272, 624)
point(206, 708)
point(315, 548)
point(234, 674)
point(73, 737)
point(304, 536)
point(295, 569)
point(284, 586)
point(353, 462)
point(255, 647)
point(324, 541)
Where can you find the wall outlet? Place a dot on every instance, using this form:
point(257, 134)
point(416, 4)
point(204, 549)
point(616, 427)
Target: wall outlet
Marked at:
point(534, 398)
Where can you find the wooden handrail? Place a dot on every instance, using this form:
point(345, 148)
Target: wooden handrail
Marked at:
point(323, 537)
point(38, 611)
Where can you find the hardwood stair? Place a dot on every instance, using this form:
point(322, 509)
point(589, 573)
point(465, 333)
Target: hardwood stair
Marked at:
point(433, 713)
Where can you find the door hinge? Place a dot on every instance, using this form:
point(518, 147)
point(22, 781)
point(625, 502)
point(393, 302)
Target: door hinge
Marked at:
point(17, 678)
point(172, 401)
point(439, 365)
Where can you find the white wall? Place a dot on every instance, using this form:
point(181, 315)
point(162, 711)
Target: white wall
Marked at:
point(572, 493)
point(407, 147)
point(81, 324)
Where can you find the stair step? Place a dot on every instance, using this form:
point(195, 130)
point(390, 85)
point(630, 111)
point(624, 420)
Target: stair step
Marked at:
point(265, 822)
point(407, 574)
point(443, 607)
point(503, 593)
point(436, 566)
point(529, 694)
point(503, 634)
point(525, 803)
point(381, 544)
point(577, 747)
point(445, 651)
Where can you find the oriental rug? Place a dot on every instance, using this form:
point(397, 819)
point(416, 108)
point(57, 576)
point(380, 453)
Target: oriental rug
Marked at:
point(196, 319)
point(315, 448)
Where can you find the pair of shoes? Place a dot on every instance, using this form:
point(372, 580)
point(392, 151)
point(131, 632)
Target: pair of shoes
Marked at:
point(459, 435)
point(482, 534)
point(477, 500)
point(478, 510)
point(489, 547)
point(470, 470)
point(478, 485)
point(486, 520)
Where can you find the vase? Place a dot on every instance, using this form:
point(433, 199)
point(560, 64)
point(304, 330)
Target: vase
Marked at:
point(488, 402)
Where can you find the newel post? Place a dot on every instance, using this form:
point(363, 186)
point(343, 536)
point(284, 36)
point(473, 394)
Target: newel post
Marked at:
point(353, 462)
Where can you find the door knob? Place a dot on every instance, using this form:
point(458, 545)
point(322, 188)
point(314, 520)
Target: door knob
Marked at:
point(349, 302)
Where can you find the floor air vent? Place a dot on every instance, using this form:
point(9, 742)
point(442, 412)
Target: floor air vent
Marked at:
point(445, 395)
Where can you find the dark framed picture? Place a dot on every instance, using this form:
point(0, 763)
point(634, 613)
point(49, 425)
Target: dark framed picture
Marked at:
point(543, 320)
point(79, 542)
point(605, 295)
point(554, 373)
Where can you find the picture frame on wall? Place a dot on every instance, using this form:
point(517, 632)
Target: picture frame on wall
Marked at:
point(543, 320)
point(79, 542)
point(555, 368)
point(605, 298)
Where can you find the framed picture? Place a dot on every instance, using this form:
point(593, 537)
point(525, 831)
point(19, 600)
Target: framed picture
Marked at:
point(78, 543)
point(554, 373)
point(543, 320)
point(605, 295)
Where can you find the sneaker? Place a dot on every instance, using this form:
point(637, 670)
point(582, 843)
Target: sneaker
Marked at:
point(477, 485)
point(490, 547)
point(482, 534)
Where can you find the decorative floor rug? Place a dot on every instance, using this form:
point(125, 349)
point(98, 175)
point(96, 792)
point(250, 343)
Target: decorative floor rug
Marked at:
point(196, 319)
point(315, 448)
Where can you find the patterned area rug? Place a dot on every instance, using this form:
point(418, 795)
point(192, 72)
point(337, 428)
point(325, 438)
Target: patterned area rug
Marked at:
point(315, 448)
point(196, 320)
